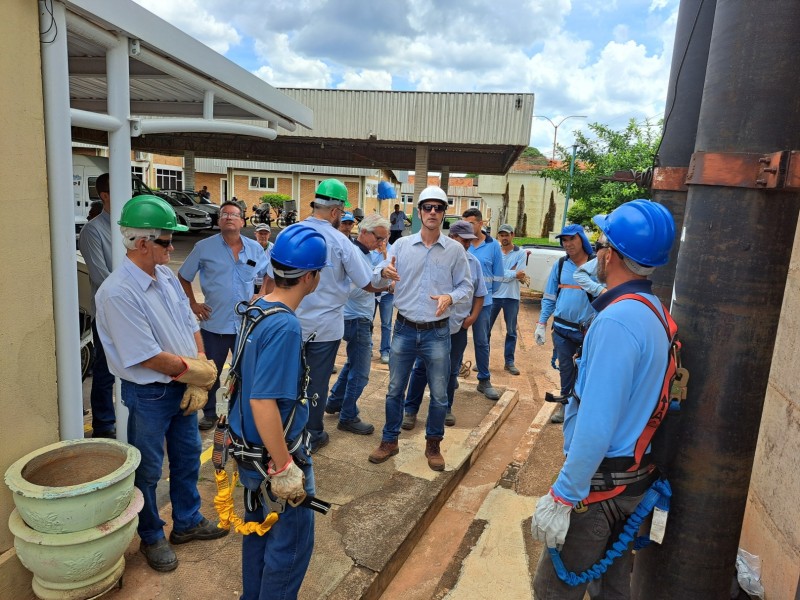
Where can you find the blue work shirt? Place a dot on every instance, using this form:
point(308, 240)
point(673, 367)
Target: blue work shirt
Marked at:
point(271, 371)
point(360, 304)
point(225, 281)
point(323, 310)
point(490, 256)
point(461, 311)
point(586, 277)
point(572, 304)
point(508, 284)
point(620, 376)
point(425, 272)
point(139, 317)
point(377, 258)
point(95, 246)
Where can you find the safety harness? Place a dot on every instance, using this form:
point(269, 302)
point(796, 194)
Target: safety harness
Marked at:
point(568, 286)
point(227, 444)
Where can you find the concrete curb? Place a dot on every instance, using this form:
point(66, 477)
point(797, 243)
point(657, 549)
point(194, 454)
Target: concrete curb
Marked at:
point(523, 450)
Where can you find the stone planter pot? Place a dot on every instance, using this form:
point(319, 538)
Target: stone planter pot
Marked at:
point(79, 565)
point(73, 485)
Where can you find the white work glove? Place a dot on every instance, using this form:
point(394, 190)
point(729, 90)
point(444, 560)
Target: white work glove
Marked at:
point(194, 398)
point(539, 334)
point(201, 372)
point(288, 482)
point(551, 520)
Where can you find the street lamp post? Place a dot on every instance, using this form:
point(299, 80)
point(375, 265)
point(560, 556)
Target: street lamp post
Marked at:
point(569, 186)
point(556, 126)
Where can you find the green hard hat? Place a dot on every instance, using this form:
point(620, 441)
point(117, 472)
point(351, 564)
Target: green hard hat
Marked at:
point(332, 189)
point(149, 212)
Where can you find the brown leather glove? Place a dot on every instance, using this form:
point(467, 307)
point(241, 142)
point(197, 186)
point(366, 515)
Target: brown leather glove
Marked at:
point(201, 372)
point(194, 398)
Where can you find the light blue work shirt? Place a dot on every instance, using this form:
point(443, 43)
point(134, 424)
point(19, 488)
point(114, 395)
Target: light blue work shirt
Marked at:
point(572, 304)
point(508, 285)
point(377, 258)
point(586, 277)
point(95, 246)
point(360, 304)
point(490, 256)
point(139, 317)
point(323, 310)
point(425, 272)
point(620, 376)
point(225, 280)
point(461, 311)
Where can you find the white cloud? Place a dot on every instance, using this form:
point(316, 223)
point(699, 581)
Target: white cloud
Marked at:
point(194, 18)
point(285, 68)
point(366, 80)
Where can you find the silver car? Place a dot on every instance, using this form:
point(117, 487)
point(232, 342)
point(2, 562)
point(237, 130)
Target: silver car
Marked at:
point(194, 218)
point(188, 198)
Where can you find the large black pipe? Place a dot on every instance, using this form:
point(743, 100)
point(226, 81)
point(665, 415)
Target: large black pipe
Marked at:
point(729, 286)
point(684, 95)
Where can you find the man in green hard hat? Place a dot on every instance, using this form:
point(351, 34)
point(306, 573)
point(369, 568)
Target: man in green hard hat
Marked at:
point(153, 345)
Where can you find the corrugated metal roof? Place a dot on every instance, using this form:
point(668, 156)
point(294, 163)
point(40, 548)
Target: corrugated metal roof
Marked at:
point(216, 165)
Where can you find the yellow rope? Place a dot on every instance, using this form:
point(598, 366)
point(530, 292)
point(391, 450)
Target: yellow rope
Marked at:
point(223, 502)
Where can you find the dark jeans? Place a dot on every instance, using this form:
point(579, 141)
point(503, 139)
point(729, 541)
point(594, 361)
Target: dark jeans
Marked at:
point(588, 537)
point(395, 235)
point(566, 342)
point(385, 306)
point(102, 396)
point(480, 339)
point(510, 308)
point(419, 376)
point(217, 346)
point(320, 357)
point(354, 376)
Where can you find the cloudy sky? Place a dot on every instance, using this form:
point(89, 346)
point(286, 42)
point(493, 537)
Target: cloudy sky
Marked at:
point(606, 59)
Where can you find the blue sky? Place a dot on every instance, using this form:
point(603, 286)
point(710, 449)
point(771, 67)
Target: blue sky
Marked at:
point(608, 60)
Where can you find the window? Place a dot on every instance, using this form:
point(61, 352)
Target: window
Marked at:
point(263, 183)
point(474, 202)
point(451, 201)
point(169, 179)
point(138, 172)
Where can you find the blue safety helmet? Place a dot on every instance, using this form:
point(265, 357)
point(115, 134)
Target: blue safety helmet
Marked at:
point(576, 230)
point(348, 218)
point(300, 247)
point(640, 230)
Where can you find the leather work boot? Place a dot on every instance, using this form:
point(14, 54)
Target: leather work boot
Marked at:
point(409, 421)
point(384, 452)
point(356, 426)
point(204, 530)
point(159, 555)
point(558, 414)
point(485, 388)
point(511, 369)
point(450, 419)
point(432, 453)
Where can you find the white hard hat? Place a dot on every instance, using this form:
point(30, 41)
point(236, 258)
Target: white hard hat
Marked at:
point(432, 192)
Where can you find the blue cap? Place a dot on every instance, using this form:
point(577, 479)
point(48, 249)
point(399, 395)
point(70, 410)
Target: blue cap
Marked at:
point(348, 216)
point(576, 230)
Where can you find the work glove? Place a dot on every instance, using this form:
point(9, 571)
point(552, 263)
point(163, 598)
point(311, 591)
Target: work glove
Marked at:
point(551, 520)
point(539, 334)
point(194, 398)
point(288, 482)
point(201, 372)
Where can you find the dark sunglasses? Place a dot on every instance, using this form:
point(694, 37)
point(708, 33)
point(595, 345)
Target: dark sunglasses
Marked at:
point(600, 245)
point(439, 208)
point(163, 243)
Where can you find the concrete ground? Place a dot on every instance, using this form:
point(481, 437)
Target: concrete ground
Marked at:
point(400, 530)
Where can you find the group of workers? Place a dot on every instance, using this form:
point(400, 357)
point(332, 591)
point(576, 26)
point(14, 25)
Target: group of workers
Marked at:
point(316, 287)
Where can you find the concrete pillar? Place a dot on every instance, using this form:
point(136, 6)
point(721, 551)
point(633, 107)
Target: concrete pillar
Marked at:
point(420, 182)
point(188, 170)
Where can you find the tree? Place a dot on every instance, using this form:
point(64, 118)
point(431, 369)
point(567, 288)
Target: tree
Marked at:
point(597, 158)
point(275, 200)
point(534, 155)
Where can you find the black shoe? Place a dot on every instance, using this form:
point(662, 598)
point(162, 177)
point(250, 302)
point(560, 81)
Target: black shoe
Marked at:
point(111, 434)
point(204, 530)
point(319, 442)
point(332, 410)
point(356, 426)
point(449, 419)
point(558, 414)
point(409, 421)
point(207, 423)
point(160, 556)
point(512, 369)
point(485, 388)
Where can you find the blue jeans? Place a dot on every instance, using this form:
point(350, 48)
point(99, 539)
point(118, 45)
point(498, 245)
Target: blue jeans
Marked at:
point(566, 342)
point(480, 338)
point(510, 308)
point(217, 346)
point(354, 376)
point(102, 396)
point(274, 564)
point(432, 347)
point(320, 357)
point(155, 414)
point(386, 307)
point(419, 376)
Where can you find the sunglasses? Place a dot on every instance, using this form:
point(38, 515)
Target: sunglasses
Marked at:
point(600, 244)
point(439, 208)
point(163, 243)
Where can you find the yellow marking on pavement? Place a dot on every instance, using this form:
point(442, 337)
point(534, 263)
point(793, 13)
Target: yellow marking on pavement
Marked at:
point(86, 428)
point(206, 455)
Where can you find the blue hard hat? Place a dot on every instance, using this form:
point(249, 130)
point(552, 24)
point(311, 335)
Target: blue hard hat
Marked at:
point(348, 217)
point(300, 247)
point(576, 230)
point(640, 230)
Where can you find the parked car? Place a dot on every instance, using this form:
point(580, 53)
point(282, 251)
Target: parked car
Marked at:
point(189, 198)
point(194, 218)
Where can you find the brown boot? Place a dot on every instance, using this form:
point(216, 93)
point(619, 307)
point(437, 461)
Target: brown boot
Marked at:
point(383, 452)
point(432, 453)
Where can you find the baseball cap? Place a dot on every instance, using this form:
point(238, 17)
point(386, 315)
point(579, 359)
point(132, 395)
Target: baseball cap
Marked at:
point(462, 229)
point(348, 217)
point(263, 227)
point(506, 228)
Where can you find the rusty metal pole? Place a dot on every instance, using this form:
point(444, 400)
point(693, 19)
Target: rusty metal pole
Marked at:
point(684, 94)
point(729, 286)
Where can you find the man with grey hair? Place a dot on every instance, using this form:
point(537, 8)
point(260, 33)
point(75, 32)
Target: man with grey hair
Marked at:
point(358, 312)
point(153, 345)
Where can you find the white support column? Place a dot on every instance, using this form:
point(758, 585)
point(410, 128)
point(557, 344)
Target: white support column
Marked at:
point(119, 161)
point(58, 136)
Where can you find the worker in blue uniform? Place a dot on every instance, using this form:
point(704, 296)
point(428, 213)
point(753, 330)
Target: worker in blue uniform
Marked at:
point(569, 305)
point(620, 377)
